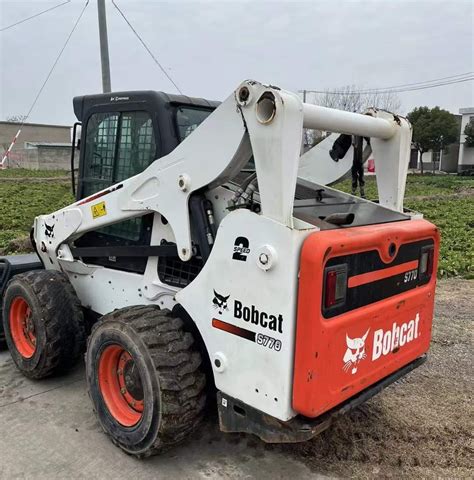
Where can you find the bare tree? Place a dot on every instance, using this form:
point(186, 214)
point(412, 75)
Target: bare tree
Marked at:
point(343, 98)
point(352, 99)
point(383, 100)
point(16, 118)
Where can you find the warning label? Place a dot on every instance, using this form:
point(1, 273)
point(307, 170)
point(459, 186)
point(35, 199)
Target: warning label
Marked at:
point(98, 210)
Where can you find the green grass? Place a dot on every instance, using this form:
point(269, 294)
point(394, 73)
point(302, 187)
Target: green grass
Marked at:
point(428, 185)
point(24, 172)
point(418, 185)
point(453, 215)
point(455, 220)
point(21, 202)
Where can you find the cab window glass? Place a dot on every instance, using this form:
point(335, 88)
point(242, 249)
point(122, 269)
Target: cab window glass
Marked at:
point(188, 119)
point(119, 145)
point(136, 145)
point(101, 140)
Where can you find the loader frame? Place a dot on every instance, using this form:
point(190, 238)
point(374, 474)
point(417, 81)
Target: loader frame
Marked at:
point(184, 191)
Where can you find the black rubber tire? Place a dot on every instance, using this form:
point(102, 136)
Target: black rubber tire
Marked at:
point(3, 341)
point(170, 370)
point(58, 321)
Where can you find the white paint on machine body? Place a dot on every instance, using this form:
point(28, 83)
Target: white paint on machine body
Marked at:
point(248, 369)
point(266, 123)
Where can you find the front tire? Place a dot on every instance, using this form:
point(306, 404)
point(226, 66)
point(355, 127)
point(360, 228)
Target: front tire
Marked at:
point(43, 323)
point(144, 379)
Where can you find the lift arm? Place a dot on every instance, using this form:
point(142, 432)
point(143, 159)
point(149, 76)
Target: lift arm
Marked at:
point(255, 119)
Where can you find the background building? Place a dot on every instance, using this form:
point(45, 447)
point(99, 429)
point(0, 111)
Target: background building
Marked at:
point(466, 152)
point(445, 160)
point(39, 146)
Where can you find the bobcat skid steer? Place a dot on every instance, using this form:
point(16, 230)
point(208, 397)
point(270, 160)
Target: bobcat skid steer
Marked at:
point(215, 265)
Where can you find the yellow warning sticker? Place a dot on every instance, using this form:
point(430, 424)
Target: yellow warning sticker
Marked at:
point(98, 210)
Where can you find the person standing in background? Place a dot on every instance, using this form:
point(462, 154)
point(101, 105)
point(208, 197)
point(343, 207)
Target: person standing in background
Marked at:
point(357, 170)
point(339, 150)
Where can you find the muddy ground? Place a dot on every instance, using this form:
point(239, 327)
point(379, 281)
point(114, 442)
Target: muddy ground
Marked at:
point(421, 427)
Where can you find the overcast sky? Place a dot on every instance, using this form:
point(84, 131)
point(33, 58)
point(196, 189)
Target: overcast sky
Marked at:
point(209, 47)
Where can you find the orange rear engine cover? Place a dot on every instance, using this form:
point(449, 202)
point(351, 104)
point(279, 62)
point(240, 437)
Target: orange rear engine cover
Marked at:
point(383, 321)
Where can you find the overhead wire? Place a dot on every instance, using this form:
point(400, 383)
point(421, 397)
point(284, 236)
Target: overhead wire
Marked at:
point(417, 83)
point(426, 81)
point(453, 79)
point(48, 76)
point(168, 76)
point(33, 16)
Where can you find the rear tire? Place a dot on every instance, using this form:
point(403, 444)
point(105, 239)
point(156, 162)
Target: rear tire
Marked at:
point(43, 323)
point(144, 379)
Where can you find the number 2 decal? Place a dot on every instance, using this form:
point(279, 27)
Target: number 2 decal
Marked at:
point(241, 249)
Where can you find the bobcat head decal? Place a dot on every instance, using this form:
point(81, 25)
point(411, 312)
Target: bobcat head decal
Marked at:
point(49, 230)
point(355, 352)
point(220, 302)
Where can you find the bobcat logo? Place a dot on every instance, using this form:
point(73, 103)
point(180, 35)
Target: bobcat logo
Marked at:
point(355, 352)
point(49, 230)
point(220, 302)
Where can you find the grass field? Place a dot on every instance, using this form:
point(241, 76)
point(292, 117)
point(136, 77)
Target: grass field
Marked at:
point(27, 173)
point(447, 201)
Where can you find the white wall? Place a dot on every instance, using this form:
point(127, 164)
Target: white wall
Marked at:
point(466, 154)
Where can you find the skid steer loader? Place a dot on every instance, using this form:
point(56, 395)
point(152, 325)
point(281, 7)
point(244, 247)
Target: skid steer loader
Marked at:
point(213, 264)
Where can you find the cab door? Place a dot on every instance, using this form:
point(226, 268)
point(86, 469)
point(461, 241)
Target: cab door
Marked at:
point(117, 145)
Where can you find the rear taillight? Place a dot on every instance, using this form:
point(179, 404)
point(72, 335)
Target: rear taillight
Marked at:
point(335, 286)
point(426, 262)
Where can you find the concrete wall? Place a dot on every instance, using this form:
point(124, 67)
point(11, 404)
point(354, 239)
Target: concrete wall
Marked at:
point(466, 153)
point(427, 162)
point(42, 158)
point(449, 158)
point(32, 132)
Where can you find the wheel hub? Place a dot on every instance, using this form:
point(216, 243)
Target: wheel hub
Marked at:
point(121, 385)
point(22, 327)
point(133, 381)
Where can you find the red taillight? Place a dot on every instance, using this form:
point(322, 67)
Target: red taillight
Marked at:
point(335, 285)
point(426, 262)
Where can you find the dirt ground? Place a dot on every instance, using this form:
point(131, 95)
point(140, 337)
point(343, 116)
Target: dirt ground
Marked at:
point(421, 427)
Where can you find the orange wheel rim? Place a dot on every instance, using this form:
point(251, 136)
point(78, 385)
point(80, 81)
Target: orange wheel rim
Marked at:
point(22, 327)
point(120, 385)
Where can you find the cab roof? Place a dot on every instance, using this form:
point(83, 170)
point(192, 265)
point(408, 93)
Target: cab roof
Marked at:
point(150, 99)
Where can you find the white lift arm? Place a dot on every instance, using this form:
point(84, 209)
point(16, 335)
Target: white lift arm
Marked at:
point(390, 141)
point(255, 119)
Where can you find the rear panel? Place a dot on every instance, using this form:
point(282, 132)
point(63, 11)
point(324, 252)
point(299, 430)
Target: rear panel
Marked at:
point(365, 308)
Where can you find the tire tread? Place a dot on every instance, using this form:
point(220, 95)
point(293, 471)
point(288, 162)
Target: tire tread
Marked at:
point(177, 365)
point(66, 337)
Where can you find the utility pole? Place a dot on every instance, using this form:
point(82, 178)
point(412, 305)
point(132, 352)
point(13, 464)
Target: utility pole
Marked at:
point(104, 47)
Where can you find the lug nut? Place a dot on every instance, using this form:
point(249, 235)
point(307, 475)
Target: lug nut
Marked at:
point(263, 258)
